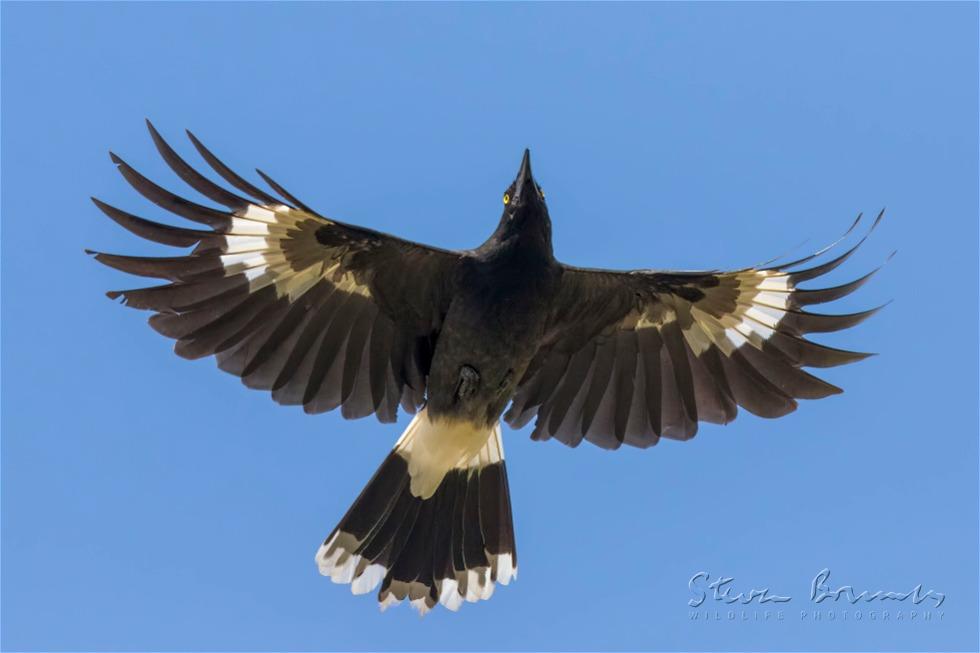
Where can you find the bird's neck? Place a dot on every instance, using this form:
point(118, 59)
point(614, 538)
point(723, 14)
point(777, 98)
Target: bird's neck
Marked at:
point(523, 244)
point(528, 236)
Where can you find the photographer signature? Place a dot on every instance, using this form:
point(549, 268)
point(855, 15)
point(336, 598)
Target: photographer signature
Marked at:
point(819, 591)
point(722, 589)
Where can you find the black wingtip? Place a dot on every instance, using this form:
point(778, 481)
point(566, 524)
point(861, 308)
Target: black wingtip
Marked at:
point(861, 316)
point(833, 390)
point(102, 206)
point(98, 256)
point(115, 159)
point(196, 141)
point(286, 194)
point(819, 252)
point(881, 214)
point(154, 134)
point(862, 356)
point(106, 208)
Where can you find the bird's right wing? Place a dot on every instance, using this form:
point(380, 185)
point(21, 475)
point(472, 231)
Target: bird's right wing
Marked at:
point(322, 313)
point(633, 356)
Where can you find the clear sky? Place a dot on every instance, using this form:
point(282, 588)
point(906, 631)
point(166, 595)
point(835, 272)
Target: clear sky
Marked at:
point(154, 503)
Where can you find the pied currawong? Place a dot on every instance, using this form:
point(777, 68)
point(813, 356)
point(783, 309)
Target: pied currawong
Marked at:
point(331, 315)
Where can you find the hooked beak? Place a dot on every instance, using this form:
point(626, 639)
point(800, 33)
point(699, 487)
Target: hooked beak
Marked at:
point(524, 178)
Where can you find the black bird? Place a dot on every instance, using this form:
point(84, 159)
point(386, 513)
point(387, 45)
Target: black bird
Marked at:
point(326, 314)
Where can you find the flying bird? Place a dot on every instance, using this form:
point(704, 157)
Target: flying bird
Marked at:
point(327, 315)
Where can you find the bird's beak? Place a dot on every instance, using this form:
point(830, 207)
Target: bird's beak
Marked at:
point(524, 178)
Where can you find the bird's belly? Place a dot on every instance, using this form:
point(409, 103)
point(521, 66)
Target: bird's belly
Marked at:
point(483, 349)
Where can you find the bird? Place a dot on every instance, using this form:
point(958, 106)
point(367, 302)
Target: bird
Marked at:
point(325, 315)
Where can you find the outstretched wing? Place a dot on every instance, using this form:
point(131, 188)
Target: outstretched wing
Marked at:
point(632, 356)
point(322, 313)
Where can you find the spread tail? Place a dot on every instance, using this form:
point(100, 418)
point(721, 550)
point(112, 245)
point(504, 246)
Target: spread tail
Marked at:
point(433, 524)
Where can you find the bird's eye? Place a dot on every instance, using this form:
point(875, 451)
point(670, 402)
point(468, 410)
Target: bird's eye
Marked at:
point(506, 198)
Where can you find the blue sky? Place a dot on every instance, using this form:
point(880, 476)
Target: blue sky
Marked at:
point(154, 503)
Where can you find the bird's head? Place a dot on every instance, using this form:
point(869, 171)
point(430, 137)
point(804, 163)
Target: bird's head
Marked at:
point(525, 214)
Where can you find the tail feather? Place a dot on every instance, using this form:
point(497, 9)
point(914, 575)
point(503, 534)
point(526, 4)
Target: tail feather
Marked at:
point(433, 525)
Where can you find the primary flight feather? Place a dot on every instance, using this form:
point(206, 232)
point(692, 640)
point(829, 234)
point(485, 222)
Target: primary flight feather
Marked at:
point(330, 315)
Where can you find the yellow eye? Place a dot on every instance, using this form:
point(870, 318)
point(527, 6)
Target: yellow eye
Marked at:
point(506, 198)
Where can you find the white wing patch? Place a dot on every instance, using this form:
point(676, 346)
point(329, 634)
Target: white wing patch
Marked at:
point(257, 242)
point(761, 301)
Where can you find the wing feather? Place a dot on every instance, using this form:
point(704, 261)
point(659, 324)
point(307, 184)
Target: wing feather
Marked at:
point(319, 312)
point(626, 363)
point(231, 176)
point(635, 356)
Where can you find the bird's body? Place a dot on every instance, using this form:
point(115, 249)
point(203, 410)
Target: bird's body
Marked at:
point(495, 322)
point(492, 328)
point(330, 315)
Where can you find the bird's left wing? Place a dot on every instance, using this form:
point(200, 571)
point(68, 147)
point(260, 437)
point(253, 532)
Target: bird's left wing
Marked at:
point(629, 357)
point(322, 313)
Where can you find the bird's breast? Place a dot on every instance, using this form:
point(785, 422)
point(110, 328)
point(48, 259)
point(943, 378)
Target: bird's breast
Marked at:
point(493, 328)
